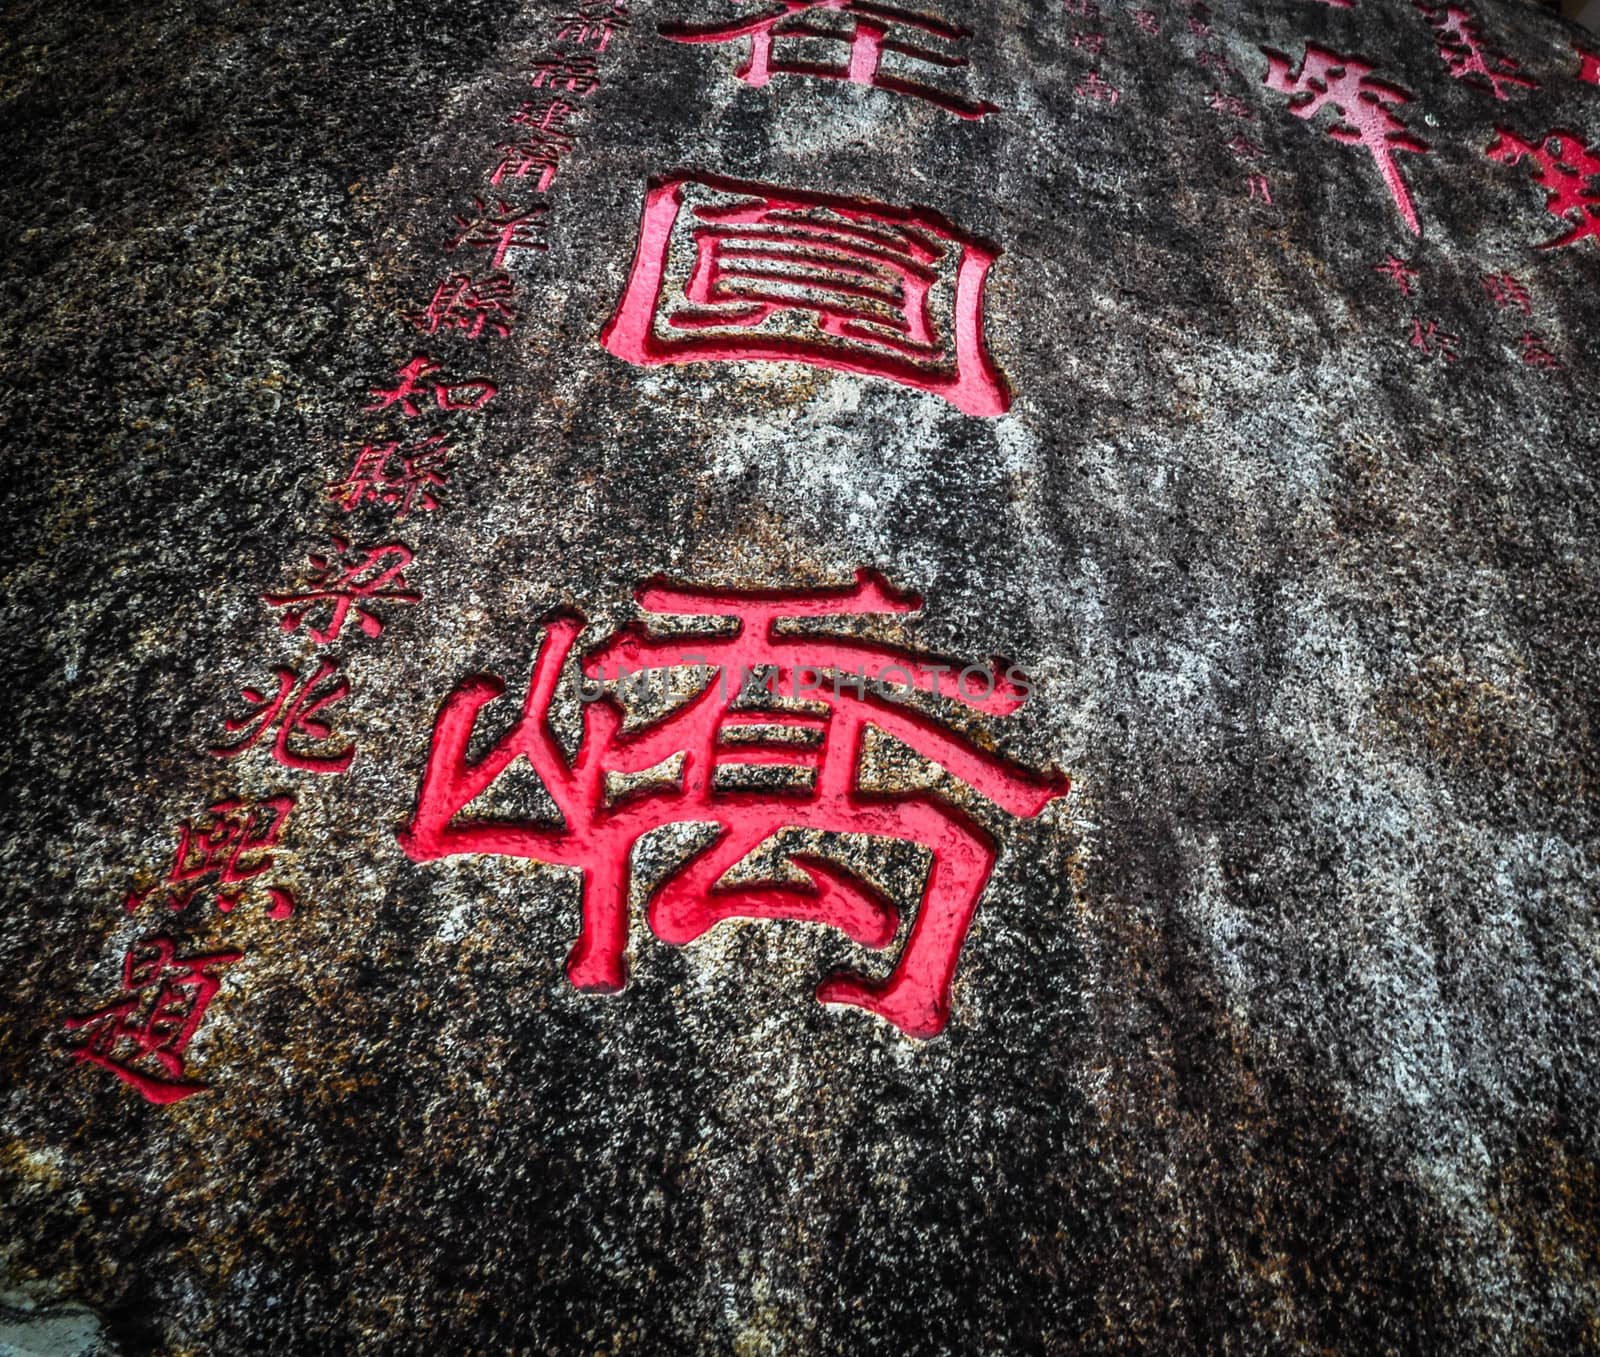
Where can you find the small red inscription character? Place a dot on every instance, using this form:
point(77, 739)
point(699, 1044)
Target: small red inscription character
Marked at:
point(294, 713)
point(540, 144)
point(1462, 49)
point(580, 75)
point(1431, 341)
point(867, 35)
point(803, 277)
point(1400, 273)
point(226, 847)
point(1256, 186)
point(499, 228)
point(470, 305)
point(409, 382)
point(399, 477)
point(1565, 167)
point(1101, 91)
point(1148, 21)
point(344, 580)
point(169, 997)
point(722, 741)
point(1364, 107)
point(593, 23)
point(1244, 148)
point(1588, 65)
point(1231, 104)
point(1536, 353)
point(1505, 292)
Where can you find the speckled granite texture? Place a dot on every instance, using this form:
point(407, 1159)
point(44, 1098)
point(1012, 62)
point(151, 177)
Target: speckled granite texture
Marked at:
point(1276, 1035)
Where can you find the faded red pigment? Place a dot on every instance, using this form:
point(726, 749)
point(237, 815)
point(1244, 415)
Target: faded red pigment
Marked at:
point(1364, 106)
point(227, 846)
point(293, 712)
point(169, 997)
point(867, 37)
point(863, 275)
point(720, 735)
point(1568, 171)
point(1462, 49)
point(402, 477)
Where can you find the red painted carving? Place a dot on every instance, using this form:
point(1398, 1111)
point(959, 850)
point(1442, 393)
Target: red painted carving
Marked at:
point(169, 997)
point(867, 37)
point(292, 712)
point(1214, 61)
point(470, 305)
point(1462, 49)
point(593, 23)
point(1081, 9)
point(1340, 4)
point(1093, 87)
point(540, 145)
point(721, 733)
point(1200, 29)
point(1564, 166)
point(1148, 21)
point(449, 396)
point(1244, 148)
point(1431, 341)
point(1256, 187)
point(576, 74)
point(399, 477)
point(1400, 273)
point(803, 277)
point(343, 580)
point(1505, 291)
point(1363, 105)
point(499, 228)
point(1231, 104)
point(227, 846)
point(1536, 353)
point(1092, 43)
point(1588, 65)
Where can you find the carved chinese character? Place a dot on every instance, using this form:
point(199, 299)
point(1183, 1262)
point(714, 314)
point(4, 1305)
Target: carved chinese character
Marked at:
point(1400, 273)
point(470, 305)
point(1565, 167)
point(539, 146)
point(153, 1028)
point(1364, 108)
point(593, 23)
point(1244, 148)
point(1093, 87)
point(1431, 341)
point(1231, 104)
point(869, 30)
point(1536, 353)
point(397, 476)
point(1505, 291)
point(1148, 21)
point(724, 743)
point(499, 228)
point(473, 393)
point(344, 580)
point(836, 282)
point(226, 847)
point(1462, 49)
point(1256, 186)
point(577, 74)
point(292, 712)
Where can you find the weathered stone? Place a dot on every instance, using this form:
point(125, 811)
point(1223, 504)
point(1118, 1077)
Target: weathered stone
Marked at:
point(1275, 1034)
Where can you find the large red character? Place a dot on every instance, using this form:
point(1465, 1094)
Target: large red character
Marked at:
point(1364, 107)
point(805, 277)
point(866, 34)
point(702, 758)
point(1569, 173)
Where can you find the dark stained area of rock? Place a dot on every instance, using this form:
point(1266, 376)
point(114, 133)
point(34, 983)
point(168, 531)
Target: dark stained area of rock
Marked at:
point(1275, 1034)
